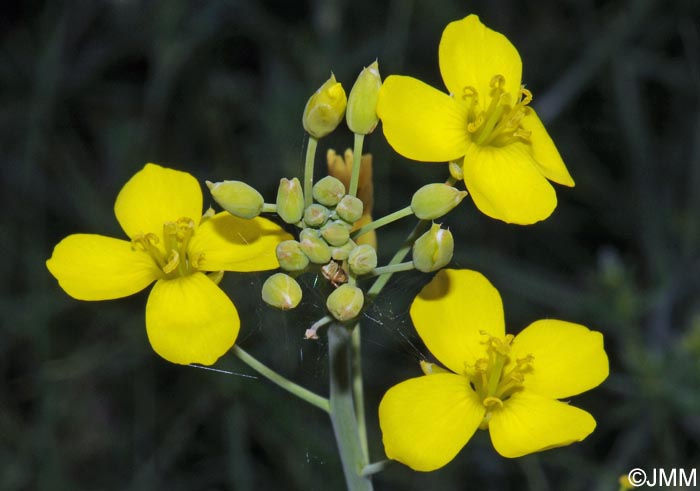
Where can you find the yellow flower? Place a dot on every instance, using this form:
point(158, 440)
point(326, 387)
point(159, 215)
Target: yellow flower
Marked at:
point(189, 319)
point(486, 120)
point(508, 384)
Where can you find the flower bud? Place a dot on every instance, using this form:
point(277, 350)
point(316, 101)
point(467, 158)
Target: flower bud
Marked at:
point(281, 291)
point(456, 170)
point(345, 302)
point(316, 215)
point(336, 233)
point(362, 259)
point(433, 249)
point(236, 197)
point(328, 191)
point(343, 252)
point(290, 200)
point(325, 109)
point(362, 103)
point(314, 246)
point(290, 256)
point(435, 200)
point(349, 209)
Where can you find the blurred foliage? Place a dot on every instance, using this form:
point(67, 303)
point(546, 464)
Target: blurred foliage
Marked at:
point(91, 90)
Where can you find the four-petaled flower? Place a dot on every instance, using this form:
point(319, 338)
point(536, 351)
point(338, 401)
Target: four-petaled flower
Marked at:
point(189, 319)
point(486, 121)
point(507, 384)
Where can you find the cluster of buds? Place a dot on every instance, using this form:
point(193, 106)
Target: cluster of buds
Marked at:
point(328, 212)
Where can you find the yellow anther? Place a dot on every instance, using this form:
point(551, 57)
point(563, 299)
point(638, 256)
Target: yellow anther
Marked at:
point(173, 262)
point(470, 92)
point(492, 403)
point(497, 82)
point(526, 96)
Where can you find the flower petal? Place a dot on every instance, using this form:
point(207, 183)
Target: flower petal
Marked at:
point(505, 184)
point(530, 423)
point(544, 151)
point(426, 421)
point(452, 311)
point(568, 358)
point(229, 243)
point(471, 54)
point(95, 267)
point(156, 195)
point(190, 320)
point(420, 122)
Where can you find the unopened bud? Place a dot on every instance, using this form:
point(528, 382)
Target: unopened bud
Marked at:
point(345, 302)
point(236, 197)
point(315, 248)
point(435, 200)
point(290, 200)
point(328, 191)
point(290, 256)
point(343, 252)
point(433, 250)
point(362, 259)
point(349, 209)
point(456, 169)
point(316, 215)
point(281, 291)
point(336, 233)
point(325, 109)
point(362, 102)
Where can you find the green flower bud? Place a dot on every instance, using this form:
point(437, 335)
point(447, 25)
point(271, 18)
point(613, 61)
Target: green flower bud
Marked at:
point(290, 256)
point(343, 252)
point(290, 200)
point(362, 259)
point(433, 250)
point(237, 198)
point(328, 191)
point(314, 246)
point(345, 302)
point(325, 109)
point(362, 104)
point(316, 215)
point(281, 291)
point(350, 208)
point(336, 233)
point(435, 200)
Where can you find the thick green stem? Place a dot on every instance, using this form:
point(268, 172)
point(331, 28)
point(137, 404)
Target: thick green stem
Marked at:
point(299, 391)
point(393, 268)
point(358, 390)
point(342, 410)
point(269, 208)
point(356, 164)
point(391, 217)
point(309, 170)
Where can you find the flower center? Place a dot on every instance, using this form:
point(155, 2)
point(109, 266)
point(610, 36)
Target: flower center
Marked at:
point(492, 382)
point(499, 124)
point(172, 258)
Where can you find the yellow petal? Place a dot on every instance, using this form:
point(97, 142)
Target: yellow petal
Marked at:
point(94, 267)
point(156, 195)
point(190, 320)
point(229, 243)
point(530, 423)
point(420, 122)
point(568, 358)
point(505, 184)
point(426, 421)
point(471, 54)
point(450, 313)
point(544, 151)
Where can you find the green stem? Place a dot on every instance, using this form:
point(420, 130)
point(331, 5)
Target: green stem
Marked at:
point(342, 410)
point(356, 164)
point(375, 467)
point(391, 217)
point(299, 391)
point(269, 208)
point(403, 251)
point(393, 268)
point(358, 390)
point(309, 170)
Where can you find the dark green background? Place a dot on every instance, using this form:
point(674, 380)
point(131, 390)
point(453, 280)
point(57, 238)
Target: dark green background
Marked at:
point(92, 90)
